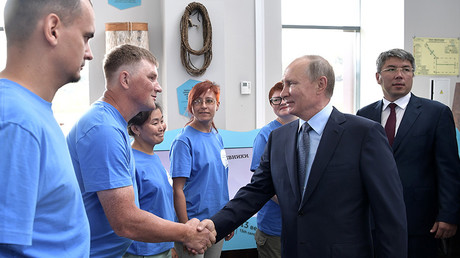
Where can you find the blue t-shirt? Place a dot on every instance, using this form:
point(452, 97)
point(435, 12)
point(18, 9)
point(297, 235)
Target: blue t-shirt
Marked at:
point(41, 208)
point(201, 158)
point(101, 153)
point(269, 217)
point(155, 196)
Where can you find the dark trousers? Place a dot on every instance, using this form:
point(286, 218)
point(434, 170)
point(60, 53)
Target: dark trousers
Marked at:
point(422, 246)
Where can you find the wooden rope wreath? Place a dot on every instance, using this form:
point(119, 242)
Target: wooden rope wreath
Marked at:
point(186, 51)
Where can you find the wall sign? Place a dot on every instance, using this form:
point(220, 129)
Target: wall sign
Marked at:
point(182, 95)
point(436, 56)
point(124, 4)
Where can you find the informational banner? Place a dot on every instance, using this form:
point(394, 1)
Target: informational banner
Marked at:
point(238, 148)
point(436, 56)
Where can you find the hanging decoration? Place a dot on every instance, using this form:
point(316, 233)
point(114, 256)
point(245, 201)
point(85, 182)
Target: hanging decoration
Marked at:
point(186, 51)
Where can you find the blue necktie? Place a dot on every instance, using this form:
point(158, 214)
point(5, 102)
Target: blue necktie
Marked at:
point(303, 149)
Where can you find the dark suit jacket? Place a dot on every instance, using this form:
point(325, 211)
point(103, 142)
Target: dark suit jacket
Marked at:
point(353, 170)
point(426, 153)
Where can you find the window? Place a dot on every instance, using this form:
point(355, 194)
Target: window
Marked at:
point(71, 101)
point(329, 28)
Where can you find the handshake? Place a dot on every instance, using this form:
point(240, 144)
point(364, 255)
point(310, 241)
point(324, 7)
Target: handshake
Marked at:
point(200, 236)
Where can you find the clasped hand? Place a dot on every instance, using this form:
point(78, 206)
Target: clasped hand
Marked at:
point(202, 236)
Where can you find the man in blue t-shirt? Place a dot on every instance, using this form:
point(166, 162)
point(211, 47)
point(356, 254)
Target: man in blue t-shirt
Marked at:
point(41, 208)
point(103, 160)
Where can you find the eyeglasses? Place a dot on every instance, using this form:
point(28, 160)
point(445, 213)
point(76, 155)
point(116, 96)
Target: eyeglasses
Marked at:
point(276, 100)
point(208, 101)
point(394, 70)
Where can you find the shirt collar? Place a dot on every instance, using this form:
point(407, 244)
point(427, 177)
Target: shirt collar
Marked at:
point(401, 102)
point(318, 121)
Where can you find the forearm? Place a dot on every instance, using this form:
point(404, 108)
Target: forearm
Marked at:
point(180, 206)
point(146, 227)
point(127, 220)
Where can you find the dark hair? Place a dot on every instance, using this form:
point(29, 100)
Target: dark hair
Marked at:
point(199, 89)
point(395, 52)
point(126, 54)
point(21, 16)
point(141, 118)
point(277, 86)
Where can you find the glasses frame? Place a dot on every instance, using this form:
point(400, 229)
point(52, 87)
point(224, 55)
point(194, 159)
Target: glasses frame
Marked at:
point(276, 99)
point(207, 101)
point(406, 70)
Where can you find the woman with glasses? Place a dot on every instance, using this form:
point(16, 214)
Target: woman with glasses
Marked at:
point(199, 166)
point(153, 182)
point(269, 217)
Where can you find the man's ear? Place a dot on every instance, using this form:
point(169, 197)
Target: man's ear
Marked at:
point(124, 78)
point(378, 77)
point(51, 28)
point(322, 84)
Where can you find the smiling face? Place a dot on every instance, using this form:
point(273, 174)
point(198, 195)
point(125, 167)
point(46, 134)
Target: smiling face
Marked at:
point(152, 131)
point(280, 110)
point(302, 95)
point(395, 82)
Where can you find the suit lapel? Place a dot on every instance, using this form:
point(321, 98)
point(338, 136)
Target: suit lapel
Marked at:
point(410, 116)
point(376, 114)
point(326, 148)
point(291, 159)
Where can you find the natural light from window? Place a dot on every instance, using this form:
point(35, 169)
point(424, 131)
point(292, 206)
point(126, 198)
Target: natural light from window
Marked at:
point(333, 34)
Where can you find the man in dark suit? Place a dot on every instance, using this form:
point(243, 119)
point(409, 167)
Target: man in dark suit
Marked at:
point(425, 150)
point(350, 171)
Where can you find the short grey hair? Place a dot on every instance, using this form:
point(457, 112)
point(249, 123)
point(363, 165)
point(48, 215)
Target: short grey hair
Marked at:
point(317, 67)
point(396, 52)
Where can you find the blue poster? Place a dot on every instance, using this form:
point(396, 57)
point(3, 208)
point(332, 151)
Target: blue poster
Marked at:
point(182, 95)
point(124, 4)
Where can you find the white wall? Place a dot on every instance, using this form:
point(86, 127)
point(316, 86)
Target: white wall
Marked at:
point(233, 54)
point(382, 28)
point(149, 12)
point(392, 24)
point(433, 19)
